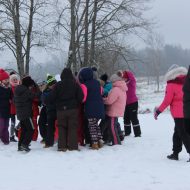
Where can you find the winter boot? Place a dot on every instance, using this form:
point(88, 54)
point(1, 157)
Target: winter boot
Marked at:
point(24, 148)
point(12, 139)
point(62, 149)
point(100, 143)
point(95, 146)
point(127, 129)
point(173, 156)
point(47, 146)
point(137, 130)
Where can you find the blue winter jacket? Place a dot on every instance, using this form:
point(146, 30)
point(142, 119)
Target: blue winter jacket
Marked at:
point(94, 106)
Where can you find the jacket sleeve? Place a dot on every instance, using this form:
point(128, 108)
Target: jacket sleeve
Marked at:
point(84, 90)
point(131, 77)
point(169, 94)
point(79, 94)
point(112, 97)
point(107, 89)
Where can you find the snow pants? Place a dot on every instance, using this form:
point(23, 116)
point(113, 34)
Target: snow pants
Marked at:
point(27, 130)
point(131, 116)
point(13, 123)
point(4, 132)
point(180, 136)
point(94, 129)
point(67, 126)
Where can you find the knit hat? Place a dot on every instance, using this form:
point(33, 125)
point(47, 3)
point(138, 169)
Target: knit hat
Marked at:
point(14, 76)
point(51, 80)
point(27, 81)
point(14, 79)
point(104, 77)
point(115, 78)
point(3, 75)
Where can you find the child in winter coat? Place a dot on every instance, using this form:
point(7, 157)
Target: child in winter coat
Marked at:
point(42, 121)
point(67, 95)
point(115, 102)
point(94, 107)
point(107, 86)
point(131, 109)
point(174, 98)
point(50, 110)
point(81, 119)
point(14, 82)
point(23, 99)
point(5, 98)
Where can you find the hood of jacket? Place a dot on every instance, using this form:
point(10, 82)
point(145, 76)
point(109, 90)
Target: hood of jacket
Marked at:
point(174, 73)
point(86, 74)
point(120, 84)
point(20, 90)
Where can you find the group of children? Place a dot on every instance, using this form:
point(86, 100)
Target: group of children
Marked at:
point(80, 109)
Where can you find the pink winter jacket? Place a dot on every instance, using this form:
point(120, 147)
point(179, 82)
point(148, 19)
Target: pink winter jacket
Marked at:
point(174, 95)
point(116, 100)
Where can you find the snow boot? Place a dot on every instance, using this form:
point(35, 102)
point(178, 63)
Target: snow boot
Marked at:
point(62, 149)
point(100, 143)
point(127, 130)
point(24, 148)
point(12, 139)
point(173, 156)
point(95, 146)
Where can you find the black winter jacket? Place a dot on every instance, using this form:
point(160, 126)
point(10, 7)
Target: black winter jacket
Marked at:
point(5, 97)
point(67, 94)
point(23, 98)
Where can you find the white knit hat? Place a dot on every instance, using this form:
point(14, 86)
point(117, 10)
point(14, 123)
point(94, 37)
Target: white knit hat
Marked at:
point(115, 78)
point(14, 76)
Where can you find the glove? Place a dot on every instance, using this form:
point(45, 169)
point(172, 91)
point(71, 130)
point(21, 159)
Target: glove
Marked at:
point(156, 113)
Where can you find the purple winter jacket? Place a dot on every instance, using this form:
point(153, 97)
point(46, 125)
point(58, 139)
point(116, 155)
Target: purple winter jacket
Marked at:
point(131, 93)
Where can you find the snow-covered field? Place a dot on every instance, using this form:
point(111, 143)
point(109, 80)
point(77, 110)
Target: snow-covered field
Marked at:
point(138, 164)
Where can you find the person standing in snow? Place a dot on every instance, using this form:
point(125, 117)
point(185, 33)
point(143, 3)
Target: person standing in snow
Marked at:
point(175, 78)
point(115, 101)
point(107, 86)
point(42, 121)
point(131, 109)
point(186, 102)
point(5, 98)
point(94, 107)
point(14, 82)
point(68, 95)
point(23, 98)
point(50, 110)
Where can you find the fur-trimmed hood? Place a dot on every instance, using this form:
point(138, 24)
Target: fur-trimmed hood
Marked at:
point(176, 72)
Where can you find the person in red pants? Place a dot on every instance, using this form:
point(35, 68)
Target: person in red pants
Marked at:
point(35, 111)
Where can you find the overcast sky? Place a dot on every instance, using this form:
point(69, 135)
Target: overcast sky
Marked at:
point(173, 18)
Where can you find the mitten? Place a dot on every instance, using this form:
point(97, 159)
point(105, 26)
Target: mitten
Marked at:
point(156, 113)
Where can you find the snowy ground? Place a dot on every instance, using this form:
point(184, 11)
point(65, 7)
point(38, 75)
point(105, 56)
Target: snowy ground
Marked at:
point(138, 164)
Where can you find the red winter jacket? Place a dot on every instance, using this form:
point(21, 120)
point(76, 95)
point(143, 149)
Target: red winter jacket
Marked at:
point(174, 93)
point(13, 108)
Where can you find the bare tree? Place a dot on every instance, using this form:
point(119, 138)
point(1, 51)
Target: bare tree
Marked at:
point(17, 32)
point(155, 42)
point(98, 20)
